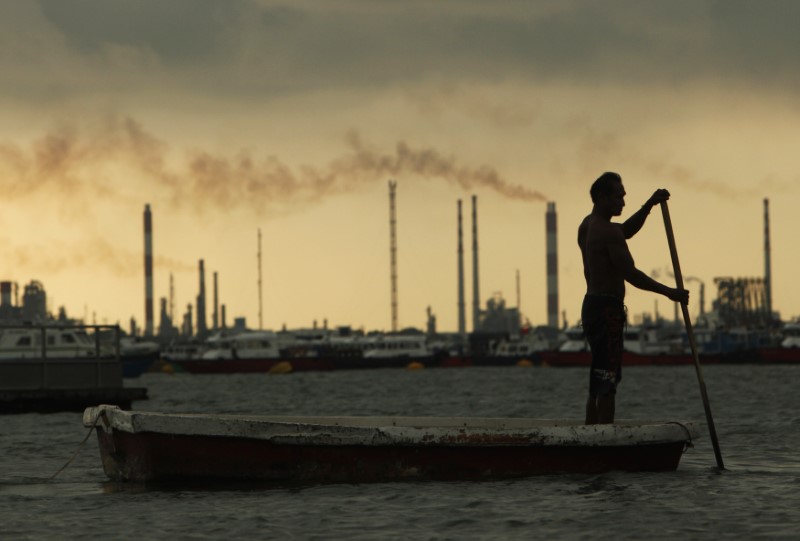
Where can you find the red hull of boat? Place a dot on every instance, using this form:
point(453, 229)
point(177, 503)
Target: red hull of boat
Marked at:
point(151, 446)
point(755, 356)
point(780, 355)
point(163, 457)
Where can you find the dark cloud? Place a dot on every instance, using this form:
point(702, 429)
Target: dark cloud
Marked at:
point(760, 37)
point(177, 31)
point(246, 47)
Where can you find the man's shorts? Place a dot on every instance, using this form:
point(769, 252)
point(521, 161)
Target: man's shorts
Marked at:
point(603, 318)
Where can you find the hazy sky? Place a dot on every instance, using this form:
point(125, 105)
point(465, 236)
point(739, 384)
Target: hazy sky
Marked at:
point(233, 115)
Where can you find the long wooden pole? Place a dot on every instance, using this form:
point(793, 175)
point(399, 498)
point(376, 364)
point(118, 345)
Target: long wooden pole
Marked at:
point(685, 309)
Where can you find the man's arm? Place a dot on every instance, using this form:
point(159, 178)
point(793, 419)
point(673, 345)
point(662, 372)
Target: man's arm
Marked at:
point(632, 225)
point(622, 260)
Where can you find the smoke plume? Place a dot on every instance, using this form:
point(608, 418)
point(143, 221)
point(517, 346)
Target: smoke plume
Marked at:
point(70, 164)
point(121, 261)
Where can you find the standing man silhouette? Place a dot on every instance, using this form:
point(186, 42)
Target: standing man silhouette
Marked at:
point(607, 265)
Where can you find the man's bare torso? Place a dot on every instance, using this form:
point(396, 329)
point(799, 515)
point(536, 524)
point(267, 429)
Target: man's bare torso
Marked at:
point(596, 238)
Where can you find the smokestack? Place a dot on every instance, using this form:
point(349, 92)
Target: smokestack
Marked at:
point(393, 251)
point(165, 326)
point(767, 262)
point(5, 294)
point(224, 323)
point(187, 321)
point(201, 303)
point(702, 298)
point(476, 296)
point(552, 266)
point(260, 292)
point(215, 317)
point(462, 331)
point(148, 272)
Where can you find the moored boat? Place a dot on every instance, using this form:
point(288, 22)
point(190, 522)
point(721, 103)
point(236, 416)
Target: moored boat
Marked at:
point(790, 333)
point(788, 351)
point(522, 350)
point(149, 446)
point(242, 352)
point(267, 351)
point(47, 368)
point(30, 341)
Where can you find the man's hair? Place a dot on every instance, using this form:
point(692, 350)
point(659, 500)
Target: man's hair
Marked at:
point(604, 185)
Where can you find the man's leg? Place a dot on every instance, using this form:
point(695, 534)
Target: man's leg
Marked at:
point(591, 409)
point(605, 408)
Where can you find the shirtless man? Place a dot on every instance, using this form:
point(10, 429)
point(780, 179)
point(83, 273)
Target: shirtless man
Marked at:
point(607, 265)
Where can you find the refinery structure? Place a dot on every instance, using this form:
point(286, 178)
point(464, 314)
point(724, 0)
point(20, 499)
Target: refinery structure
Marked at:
point(739, 301)
point(494, 319)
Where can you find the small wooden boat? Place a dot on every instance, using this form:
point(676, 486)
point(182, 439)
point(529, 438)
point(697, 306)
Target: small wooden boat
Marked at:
point(148, 446)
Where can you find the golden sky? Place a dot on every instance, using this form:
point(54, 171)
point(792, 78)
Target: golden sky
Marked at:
point(230, 116)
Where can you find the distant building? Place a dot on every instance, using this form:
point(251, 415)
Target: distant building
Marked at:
point(166, 329)
point(186, 327)
point(742, 302)
point(34, 302)
point(240, 324)
point(497, 319)
point(9, 302)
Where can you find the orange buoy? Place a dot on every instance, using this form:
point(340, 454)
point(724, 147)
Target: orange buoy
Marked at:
point(283, 367)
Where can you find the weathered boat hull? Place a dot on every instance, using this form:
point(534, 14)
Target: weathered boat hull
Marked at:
point(137, 446)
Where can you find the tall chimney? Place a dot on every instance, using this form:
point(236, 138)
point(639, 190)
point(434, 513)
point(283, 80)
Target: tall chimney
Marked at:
point(476, 296)
point(393, 251)
point(767, 262)
point(215, 316)
point(171, 298)
point(5, 294)
point(201, 303)
point(702, 298)
point(165, 327)
point(260, 290)
point(552, 266)
point(187, 321)
point(148, 272)
point(462, 331)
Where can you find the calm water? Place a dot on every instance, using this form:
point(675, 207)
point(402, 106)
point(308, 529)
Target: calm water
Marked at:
point(756, 410)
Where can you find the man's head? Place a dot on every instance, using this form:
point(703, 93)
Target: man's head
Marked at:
point(608, 191)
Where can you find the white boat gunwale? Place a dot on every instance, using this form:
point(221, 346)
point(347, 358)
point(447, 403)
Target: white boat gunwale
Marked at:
point(381, 431)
